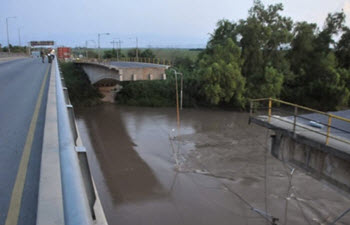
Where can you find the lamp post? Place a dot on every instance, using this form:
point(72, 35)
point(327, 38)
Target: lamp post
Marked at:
point(7, 30)
point(99, 48)
point(177, 97)
point(86, 47)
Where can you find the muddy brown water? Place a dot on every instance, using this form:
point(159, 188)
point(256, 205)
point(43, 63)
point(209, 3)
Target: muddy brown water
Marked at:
point(214, 170)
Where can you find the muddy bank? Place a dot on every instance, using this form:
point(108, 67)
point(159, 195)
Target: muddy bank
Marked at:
point(211, 171)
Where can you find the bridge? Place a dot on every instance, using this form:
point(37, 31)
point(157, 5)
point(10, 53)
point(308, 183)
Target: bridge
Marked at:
point(315, 141)
point(109, 73)
point(45, 175)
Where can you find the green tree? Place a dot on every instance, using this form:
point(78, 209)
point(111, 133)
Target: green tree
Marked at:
point(264, 36)
point(221, 74)
point(147, 53)
point(342, 49)
point(318, 82)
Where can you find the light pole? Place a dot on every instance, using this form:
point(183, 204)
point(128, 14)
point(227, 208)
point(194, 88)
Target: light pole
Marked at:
point(86, 46)
point(7, 30)
point(177, 97)
point(99, 48)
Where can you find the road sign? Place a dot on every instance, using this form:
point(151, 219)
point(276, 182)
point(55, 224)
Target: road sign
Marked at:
point(41, 43)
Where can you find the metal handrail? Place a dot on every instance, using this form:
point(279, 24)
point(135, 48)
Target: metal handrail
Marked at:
point(129, 59)
point(295, 114)
point(75, 202)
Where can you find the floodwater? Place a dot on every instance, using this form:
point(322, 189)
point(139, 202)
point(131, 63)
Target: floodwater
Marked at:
point(215, 169)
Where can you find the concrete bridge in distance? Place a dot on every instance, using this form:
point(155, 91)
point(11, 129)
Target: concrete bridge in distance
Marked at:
point(109, 73)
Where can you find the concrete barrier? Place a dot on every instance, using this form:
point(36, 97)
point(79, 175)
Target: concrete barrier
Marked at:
point(67, 194)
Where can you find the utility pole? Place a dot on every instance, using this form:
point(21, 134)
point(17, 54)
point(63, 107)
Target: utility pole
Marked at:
point(99, 48)
point(19, 36)
point(7, 30)
point(137, 49)
point(86, 47)
point(113, 42)
point(120, 48)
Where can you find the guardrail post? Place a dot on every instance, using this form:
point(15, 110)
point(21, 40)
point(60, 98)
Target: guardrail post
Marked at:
point(328, 128)
point(251, 108)
point(295, 118)
point(270, 109)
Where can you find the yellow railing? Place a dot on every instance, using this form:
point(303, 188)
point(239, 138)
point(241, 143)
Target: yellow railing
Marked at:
point(256, 103)
point(128, 59)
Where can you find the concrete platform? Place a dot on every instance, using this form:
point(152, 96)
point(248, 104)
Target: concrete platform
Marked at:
point(306, 148)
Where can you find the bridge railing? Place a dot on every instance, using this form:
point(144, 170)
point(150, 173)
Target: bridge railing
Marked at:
point(79, 195)
point(323, 123)
point(159, 61)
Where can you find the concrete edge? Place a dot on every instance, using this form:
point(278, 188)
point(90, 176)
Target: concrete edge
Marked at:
point(98, 208)
point(302, 139)
point(50, 202)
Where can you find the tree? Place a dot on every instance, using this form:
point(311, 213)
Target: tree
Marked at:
point(148, 53)
point(342, 49)
point(110, 54)
point(264, 35)
point(221, 74)
point(132, 53)
point(318, 82)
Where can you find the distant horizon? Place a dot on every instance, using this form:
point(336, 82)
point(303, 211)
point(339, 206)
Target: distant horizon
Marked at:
point(158, 24)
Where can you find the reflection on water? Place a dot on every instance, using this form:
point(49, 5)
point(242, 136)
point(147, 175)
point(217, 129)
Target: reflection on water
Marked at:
point(147, 172)
point(119, 160)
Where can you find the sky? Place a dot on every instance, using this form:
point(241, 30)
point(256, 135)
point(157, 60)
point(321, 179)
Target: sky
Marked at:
point(155, 23)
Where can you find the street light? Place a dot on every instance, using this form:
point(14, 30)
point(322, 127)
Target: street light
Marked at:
point(177, 96)
point(86, 46)
point(7, 29)
point(99, 48)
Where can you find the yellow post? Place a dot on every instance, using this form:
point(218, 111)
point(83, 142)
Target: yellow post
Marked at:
point(328, 128)
point(270, 109)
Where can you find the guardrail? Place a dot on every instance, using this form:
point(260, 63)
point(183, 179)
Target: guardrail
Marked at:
point(298, 112)
point(159, 61)
point(76, 183)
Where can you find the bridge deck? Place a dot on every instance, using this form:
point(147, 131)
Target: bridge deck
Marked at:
point(313, 136)
point(23, 85)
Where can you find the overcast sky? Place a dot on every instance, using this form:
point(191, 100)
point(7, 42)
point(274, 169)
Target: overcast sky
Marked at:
point(157, 23)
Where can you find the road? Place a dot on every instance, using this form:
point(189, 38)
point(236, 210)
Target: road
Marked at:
point(23, 96)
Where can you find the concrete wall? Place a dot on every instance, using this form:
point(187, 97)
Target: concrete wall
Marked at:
point(98, 72)
point(149, 73)
point(322, 165)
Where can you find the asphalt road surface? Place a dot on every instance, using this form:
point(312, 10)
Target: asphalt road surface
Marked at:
point(23, 96)
point(338, 127)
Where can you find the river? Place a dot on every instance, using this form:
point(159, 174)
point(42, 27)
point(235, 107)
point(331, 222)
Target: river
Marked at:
point(214, 169)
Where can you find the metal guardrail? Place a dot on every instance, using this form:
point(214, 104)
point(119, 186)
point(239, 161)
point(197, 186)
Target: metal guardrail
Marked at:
point(159, 61)
point(75, 201)
point(267, 104)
